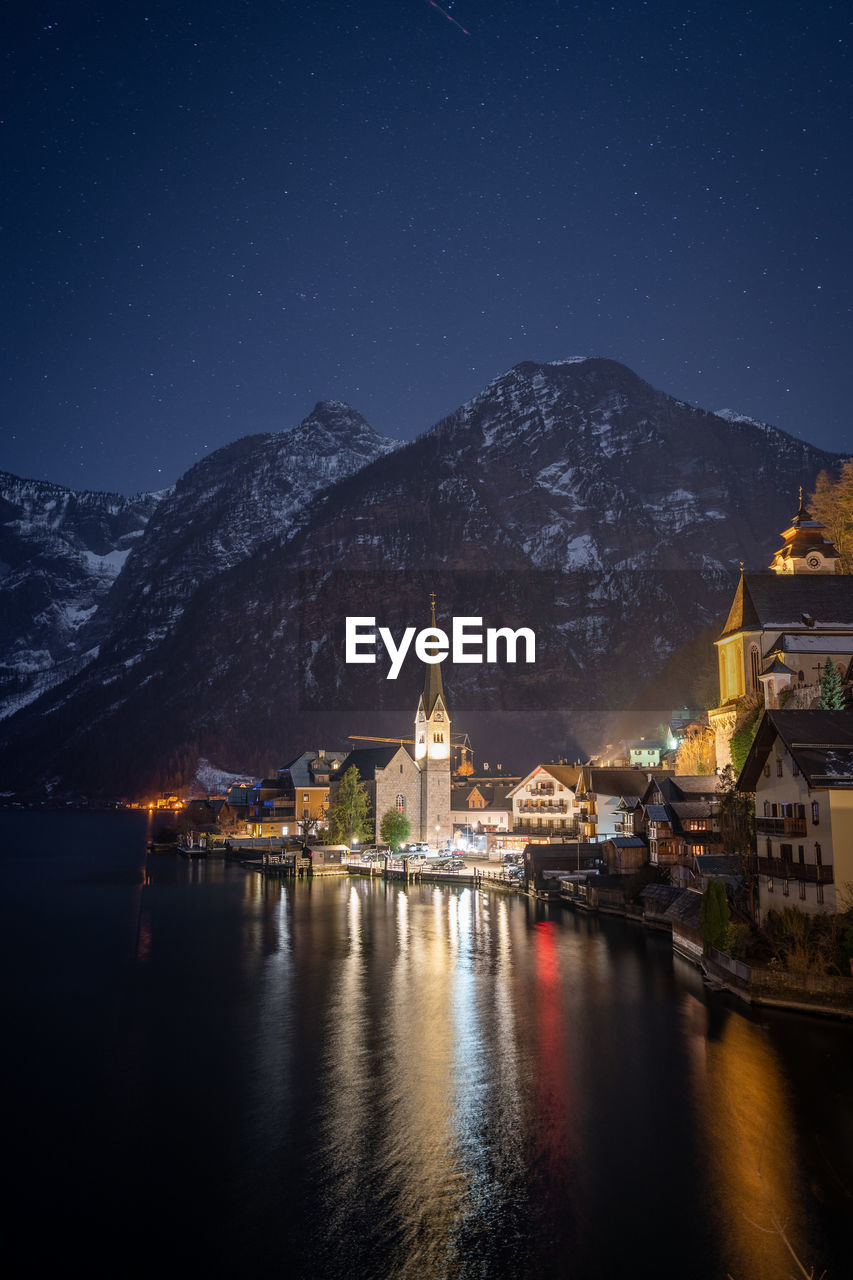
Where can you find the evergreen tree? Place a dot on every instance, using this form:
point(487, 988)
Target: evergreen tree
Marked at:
point(714, 915)
point(349, 812)
point(394, 828)
point(831, 693)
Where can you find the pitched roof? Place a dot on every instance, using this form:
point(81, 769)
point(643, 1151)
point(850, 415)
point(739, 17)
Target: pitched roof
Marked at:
point(714, 864)
point(687, 809)
point(300, 768)
point(613, 782)
point(773, 601)
point(841, 645)
point(367, 760)
point(686, 908)
point(566, 774)
point(821, 743)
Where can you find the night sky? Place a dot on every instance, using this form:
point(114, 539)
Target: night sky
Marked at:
point(215, 214)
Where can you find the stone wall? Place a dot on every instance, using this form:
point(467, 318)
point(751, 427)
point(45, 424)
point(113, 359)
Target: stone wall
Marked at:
point(778, 986)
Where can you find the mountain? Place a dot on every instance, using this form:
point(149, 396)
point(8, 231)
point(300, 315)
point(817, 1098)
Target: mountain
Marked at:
point(222, 511)
point(60, 553)
point(568, 497)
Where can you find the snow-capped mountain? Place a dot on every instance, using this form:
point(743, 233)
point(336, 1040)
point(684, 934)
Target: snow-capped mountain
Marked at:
point(223, 509)
point(569, 497)
point(60, 553)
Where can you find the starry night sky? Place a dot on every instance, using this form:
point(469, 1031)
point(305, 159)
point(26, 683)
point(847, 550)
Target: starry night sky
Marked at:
point(216, 214)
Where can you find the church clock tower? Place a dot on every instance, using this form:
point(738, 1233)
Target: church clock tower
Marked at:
point(432, 754)
point(807, 548)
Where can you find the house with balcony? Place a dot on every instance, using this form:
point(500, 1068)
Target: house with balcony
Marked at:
point(543, 802)
point(600, 798)
point(800, 767)
point(682, 823)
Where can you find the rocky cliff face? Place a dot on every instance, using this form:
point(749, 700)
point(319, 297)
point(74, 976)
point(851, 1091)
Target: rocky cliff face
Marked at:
point(568, 497)
point(60, 553)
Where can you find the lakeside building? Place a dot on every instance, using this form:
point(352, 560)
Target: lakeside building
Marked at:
point(800, 767)
point(543, 802)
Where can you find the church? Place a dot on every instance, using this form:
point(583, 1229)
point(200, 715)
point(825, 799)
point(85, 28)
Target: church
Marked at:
point(413, 778)
point(783, 627)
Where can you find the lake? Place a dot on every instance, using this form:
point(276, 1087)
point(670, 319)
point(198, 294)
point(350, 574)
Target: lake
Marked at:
point(209, 1073)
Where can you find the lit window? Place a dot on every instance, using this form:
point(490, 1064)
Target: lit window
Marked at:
point(401, 802)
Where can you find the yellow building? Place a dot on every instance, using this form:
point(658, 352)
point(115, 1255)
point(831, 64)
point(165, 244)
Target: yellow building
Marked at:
point(783, 627)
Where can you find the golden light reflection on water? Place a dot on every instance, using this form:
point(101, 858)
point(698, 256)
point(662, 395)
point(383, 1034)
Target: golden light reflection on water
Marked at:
point(754, 1185)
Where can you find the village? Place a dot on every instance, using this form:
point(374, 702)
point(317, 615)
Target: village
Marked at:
point(732, 828)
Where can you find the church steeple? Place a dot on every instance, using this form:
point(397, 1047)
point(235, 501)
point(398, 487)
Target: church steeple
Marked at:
point(806, 549)
point(433, 688)
point(432, 723)
point(432, 752)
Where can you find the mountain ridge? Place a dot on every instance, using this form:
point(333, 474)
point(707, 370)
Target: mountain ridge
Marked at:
point(571, 494)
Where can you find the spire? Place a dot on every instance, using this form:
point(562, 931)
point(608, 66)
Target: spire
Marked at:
point(433, 689)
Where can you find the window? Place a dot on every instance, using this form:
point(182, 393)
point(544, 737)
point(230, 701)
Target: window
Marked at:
point(778, 766)
point(818, 854)
point(801, 854)
point(785, 888)
point(819, 892)
point(786, 851)
point(795, 768)
point(803, 890)
point(438, 737)
point(767, 808)
point(769, 884)
point(754, 667)
point(401, 802)
point(305, 797)
point(801, 677)
point(815, 813)
point(799, 811)
point(769, 847)
point(767, 769)
point(438, 716)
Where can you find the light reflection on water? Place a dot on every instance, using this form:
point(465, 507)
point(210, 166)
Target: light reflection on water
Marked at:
point(344, 1078)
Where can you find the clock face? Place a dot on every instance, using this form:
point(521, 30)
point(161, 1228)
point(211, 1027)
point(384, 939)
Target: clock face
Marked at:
point(813, 561)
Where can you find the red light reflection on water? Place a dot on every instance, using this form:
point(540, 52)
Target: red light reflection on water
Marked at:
point(554, 1084)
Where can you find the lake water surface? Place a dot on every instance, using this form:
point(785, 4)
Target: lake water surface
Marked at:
point(212, 1074)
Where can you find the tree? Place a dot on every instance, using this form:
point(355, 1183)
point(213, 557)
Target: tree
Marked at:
point(737, 828)
point(746, 726)
point(831, 692)
point(394, 828)
point(696, 755)
point(832, 504)
point(714, 915)
point(349, 811)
